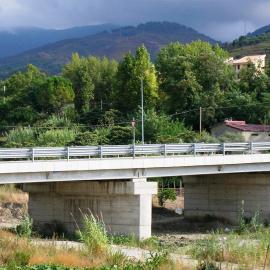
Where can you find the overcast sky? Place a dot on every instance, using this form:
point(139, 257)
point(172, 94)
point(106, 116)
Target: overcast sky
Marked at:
point(221, 19)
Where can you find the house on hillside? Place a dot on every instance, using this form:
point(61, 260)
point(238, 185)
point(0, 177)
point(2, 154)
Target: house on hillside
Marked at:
point(257, 60)
point(250, 132)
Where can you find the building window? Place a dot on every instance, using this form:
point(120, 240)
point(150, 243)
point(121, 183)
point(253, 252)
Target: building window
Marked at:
point(238, 67)
point(254, 134)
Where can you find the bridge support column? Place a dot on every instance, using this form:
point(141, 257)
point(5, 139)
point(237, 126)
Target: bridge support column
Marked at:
point(223, 195)
point(124, 206)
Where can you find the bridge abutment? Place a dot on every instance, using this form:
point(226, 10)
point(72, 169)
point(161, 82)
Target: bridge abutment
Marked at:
point(223, 195)
point(124, 206)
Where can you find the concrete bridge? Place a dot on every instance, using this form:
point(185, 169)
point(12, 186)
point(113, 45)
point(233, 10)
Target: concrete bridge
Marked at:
point(111, 181)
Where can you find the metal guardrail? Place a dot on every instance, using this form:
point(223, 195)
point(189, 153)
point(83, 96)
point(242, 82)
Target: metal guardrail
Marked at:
point(132, 150)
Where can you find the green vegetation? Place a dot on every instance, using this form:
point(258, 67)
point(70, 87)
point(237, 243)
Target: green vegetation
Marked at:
point(132, 241)
point(94, 235)
point(21, 253)
point(94, 99)
point(25, 228)
point(247, 245)
point(166, 194)
point(250, 45)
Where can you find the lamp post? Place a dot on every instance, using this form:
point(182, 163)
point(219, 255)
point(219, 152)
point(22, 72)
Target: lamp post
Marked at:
point(142, 107)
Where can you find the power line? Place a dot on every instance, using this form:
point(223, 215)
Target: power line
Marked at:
point(128, 122)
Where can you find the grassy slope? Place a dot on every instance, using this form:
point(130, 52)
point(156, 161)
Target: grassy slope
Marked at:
point(260, 48)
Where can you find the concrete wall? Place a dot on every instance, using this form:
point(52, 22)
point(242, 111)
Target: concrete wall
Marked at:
point(219, 130)
point(125, 207)
point(222, 195)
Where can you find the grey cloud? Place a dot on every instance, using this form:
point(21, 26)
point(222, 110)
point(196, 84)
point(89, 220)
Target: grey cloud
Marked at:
point(222, 19)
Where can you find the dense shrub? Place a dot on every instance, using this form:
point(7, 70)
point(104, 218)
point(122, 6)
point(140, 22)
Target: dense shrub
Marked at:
point(120, 135)
point(166, 194)
point(97, 137)
point(21, 137)
point(57, 137)
point(24, 229)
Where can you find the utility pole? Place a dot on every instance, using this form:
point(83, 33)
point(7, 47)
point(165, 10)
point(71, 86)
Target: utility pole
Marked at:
point(200, 120)
point(133, 125)
point(142, 101)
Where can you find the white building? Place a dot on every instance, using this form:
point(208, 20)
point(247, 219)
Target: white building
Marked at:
point(257, 60)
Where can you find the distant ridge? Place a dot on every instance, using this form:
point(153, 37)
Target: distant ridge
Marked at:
point(113, 44)
point(261, 30)
point(22, 39)
point(257, 42)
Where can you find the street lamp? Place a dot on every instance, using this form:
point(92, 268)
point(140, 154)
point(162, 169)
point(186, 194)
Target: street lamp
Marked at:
point(142, 101)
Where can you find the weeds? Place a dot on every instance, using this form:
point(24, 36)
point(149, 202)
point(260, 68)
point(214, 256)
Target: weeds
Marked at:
point(151, 243)
point(25, 228)
point(10, 194)
point(94, 235)
point(247, 246)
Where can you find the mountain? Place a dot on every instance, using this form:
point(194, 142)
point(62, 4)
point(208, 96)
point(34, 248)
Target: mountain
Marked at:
point(257, 42)
point(19, 40)
point(113, 44)
point(261, 30)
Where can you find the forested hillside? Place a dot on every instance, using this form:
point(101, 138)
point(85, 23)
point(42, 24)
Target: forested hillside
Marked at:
point(18, 40)
point(257, 42)
point(94, 99)
point(112, 44)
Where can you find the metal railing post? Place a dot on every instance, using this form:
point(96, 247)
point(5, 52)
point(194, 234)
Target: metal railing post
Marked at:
point(134, 151)
point(165, 150)
point(33, 154)
point(251, 148)
point(67, 153)
point(101, 151)
point(224, 149)
point(194, 149)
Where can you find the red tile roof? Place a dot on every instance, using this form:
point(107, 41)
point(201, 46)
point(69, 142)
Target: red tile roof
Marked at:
point(241, 125)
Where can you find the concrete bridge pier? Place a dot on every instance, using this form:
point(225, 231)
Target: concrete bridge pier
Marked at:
point(124, 206)
point(222, 195)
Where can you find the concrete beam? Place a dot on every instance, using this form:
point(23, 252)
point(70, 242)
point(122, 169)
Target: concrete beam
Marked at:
point(37, 172)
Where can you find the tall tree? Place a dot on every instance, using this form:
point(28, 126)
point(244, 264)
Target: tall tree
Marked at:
point(17, 104)
point(77, 71)
point(53, 94)
point(92, 79)
point(131, 72)
point(192, 76)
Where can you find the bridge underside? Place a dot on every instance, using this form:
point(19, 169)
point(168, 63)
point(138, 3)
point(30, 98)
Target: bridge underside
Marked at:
point(125, 207)
point(223, 196)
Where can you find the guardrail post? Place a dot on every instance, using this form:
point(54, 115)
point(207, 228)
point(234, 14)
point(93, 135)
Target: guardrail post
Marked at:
point(101, 151)
point(33, 154)
point(194, 149)
point(251, 148)
point(134, 151)
point(165, 150)
point(67, 153)
point(224, 149)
